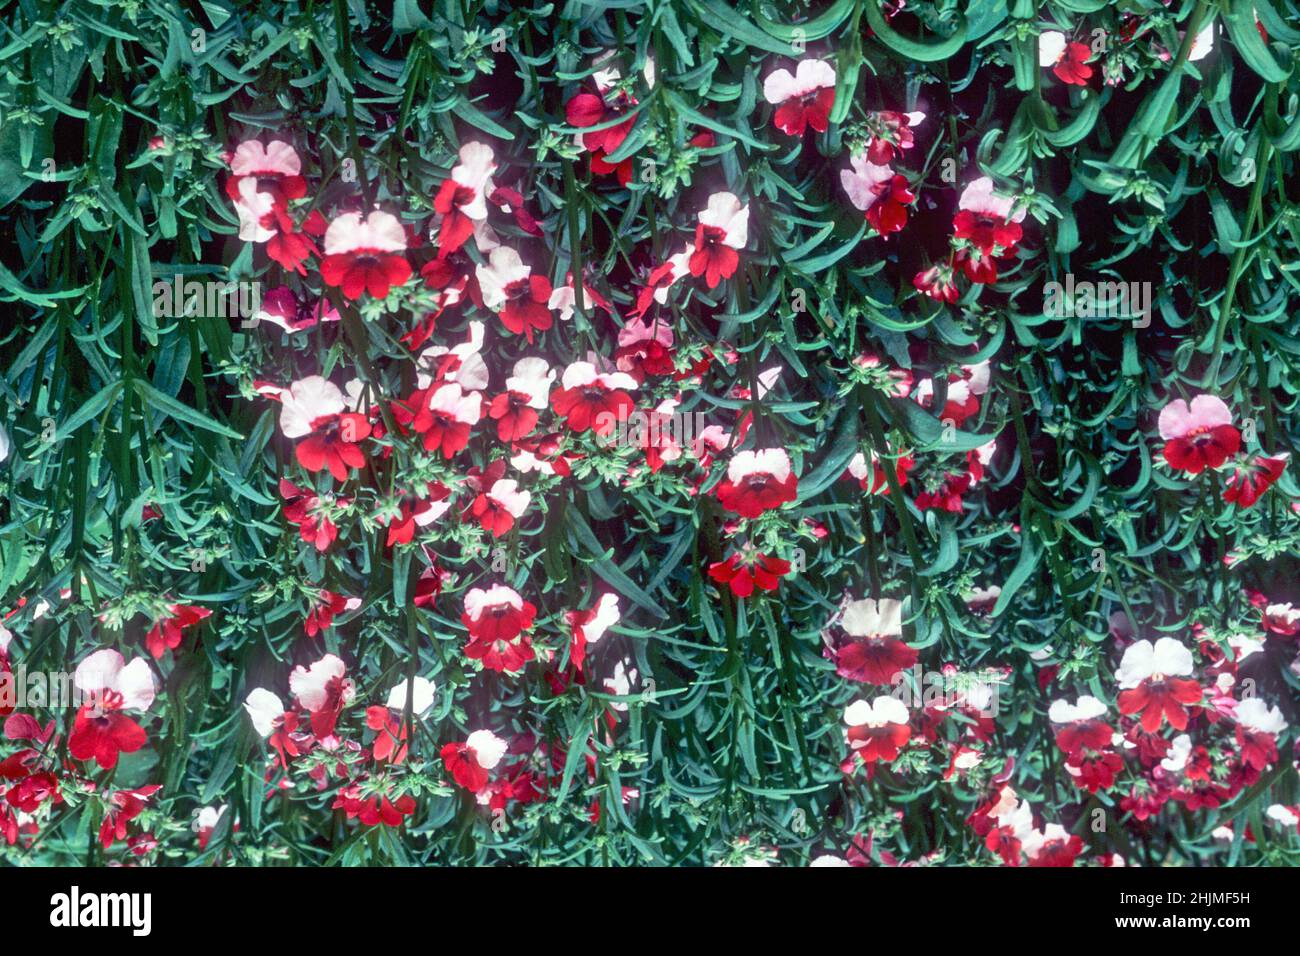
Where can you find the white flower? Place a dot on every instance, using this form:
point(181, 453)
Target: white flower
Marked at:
point(809, 76)
point(1179, 751)
point(764, 461)
point(727, 213)
point(311, 684)
point(504, 268)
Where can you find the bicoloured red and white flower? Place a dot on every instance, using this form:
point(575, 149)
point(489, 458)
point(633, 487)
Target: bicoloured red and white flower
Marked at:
point(872, 478)
point(469, 762)
point(803, 98)
point(1258, 726)
point(446, 417)
point(1067, 59)
point(722, 229)
point(985, 229)
point(264, 179)
point(416, 512)
point(662, 278)
point(323, 690)
point(605, 114)
point(497, 613)
point(276, 725)
point(590, 399)
point(872, 650)
point(510, 289)
point(388, 721)
point(1052, 846)
point(564, 299)
point(314, 410)
point(1081, 726)
point(1198, 436)
point(758, 481)
point(881, 194)
point(1154, 684)
point(528, 391)
point(281, 307)
point(877, 731)
point(365, 255)
point(587, 627)
point(499, 507)
point(167, 631)
point(110, 687)
point(645, 349)
point(462, 198)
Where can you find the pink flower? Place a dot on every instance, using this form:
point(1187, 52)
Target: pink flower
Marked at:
point(879, 193)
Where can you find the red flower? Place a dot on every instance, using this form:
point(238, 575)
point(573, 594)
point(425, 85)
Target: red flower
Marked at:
point(166, 632)
point(1248, 483)
point(743, 570)
point(333, 445)
point(101, 732)
point(1072, 68)
point(593, 400)
point(722, 228)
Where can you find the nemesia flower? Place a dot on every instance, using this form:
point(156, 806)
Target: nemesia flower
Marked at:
point(328, 605)
point(749, 568)
point(281, 307)
point(498, 508)
point(986, 228)
point(1082, 725)
point(496, 614)
point(593, 400)
point(589, 626)
point(1198, 436)
point(723, 228)
point(881, 194)
point(166, 632)
point(1249, 483)
point(462, 198)
point(528, 390)
point(323, 691)
point(874, 651)
point(1150, 678)
point(264, 178)
point(469, 763)
point(891, 135)
point(446, 418)
point(314, 410)
point(873, 480)
point(1067, 59)
point(510, 289)
point(304, 508)
point(877, 730)
point(365, 255)
point(803, 99)
point(758, 481)
point(101, 730)
point(121, 807)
